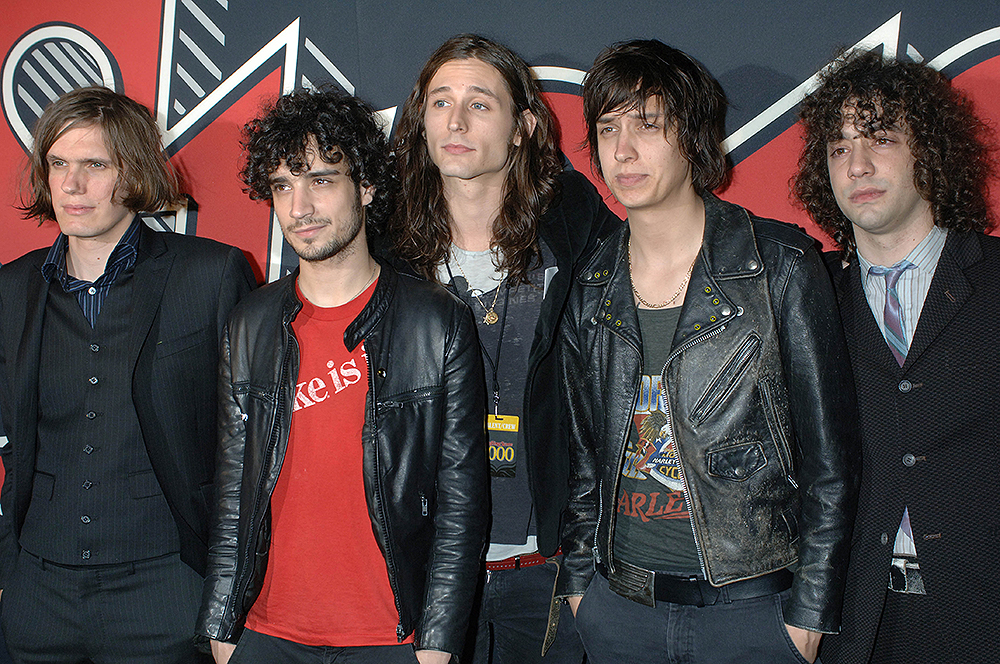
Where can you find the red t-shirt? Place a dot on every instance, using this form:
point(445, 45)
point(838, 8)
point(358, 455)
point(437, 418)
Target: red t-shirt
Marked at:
point(326, 581)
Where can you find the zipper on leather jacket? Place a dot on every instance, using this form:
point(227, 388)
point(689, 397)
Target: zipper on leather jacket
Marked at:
point(784, 450)
point(243, 582)
point(380, 500)
point(673, 434)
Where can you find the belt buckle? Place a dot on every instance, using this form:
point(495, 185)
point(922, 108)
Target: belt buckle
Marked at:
point(633, 583)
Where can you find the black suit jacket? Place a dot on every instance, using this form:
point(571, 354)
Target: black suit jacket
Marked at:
point(930, 441)
point(184, 288)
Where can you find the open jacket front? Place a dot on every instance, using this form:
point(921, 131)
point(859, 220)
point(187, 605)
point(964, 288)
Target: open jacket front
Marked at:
point(761, 403)
point(423, 443)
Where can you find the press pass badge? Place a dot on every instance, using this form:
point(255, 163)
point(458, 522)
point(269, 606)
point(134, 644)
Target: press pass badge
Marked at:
point(503, 444)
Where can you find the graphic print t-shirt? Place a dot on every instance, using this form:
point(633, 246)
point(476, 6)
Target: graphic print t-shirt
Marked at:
point(326, 582)
point(653, 528)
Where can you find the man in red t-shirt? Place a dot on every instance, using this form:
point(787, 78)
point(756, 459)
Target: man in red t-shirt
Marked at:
point(351, 508)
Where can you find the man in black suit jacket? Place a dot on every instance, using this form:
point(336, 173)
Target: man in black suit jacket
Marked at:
point(895, 169)
point(108, 355)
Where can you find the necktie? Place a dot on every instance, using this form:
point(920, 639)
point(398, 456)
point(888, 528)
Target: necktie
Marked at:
point(893, 313)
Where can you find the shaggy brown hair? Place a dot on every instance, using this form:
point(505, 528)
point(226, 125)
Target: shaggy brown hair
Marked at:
point(627, 74)
point(950, 145)
point(146, 182)
point(421, 234)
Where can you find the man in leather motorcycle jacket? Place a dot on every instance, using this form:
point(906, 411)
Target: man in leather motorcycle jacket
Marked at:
point(711, 404)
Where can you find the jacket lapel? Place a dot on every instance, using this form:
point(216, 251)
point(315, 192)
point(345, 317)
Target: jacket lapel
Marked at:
point(152, 266)
point(948, 292)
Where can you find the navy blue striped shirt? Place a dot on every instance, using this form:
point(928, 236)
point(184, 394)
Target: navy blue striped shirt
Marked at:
point(89, 294)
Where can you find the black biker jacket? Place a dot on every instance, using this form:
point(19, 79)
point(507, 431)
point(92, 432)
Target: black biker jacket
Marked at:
point(423, 442)
point(761, 402)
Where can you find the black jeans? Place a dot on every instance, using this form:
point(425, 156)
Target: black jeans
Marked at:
point(257, 648)
point(749, 631)
point(510, 620)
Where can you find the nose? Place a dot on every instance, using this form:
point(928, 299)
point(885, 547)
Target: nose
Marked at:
point(301, 204)
point(456, 119)
point(859, 162)
point(624, 148)
point(73, 181)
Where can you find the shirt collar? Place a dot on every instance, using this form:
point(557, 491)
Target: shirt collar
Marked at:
point(924, 256)
point(126, 250)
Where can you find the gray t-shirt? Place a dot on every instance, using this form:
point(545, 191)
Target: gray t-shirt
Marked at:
point(475, 274)
point(653, 527)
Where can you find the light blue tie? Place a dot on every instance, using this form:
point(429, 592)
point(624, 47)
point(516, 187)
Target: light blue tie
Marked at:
point(893, 312)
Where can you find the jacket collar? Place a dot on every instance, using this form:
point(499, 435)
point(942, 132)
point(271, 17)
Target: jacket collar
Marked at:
point(360, 327)
point(729, 251)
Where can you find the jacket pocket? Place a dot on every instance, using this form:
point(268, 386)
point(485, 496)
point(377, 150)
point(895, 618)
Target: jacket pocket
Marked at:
point(43, 486)
point(183, 342)
point(737, 463)
point(781, 444)
point(143, 484)
point(726, 380)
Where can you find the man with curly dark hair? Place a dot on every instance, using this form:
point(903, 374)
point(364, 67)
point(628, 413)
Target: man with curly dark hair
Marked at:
point(351, 494)
point(895, 168)
point(489, 210)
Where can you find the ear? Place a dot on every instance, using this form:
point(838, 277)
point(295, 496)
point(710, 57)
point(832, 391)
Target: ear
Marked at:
point(529, 121)
point(367, 193)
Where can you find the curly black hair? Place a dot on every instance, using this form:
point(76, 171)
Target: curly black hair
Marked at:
point(952, 148)
point(338, 122)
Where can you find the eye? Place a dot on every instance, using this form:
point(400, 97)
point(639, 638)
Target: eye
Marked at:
point(606, 129)
point(277, 187)
point(98, 164)
point(882, 140)
point(650, 126)
point(479, 106)
point(838, 151)
point(56, 163)
point(439, 103)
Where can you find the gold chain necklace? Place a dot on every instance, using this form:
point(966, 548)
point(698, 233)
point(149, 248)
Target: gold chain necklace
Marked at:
point(667, 303)
point(491, 315)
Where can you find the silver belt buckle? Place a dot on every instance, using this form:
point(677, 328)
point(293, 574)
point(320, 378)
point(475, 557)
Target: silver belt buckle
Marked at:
point(634, 583)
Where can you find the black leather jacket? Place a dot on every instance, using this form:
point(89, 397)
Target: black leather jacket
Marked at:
point(424, 425)
point(761, 402)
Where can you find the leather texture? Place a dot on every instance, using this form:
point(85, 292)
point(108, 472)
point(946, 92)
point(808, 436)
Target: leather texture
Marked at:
point(762, 406)
point(423, 441)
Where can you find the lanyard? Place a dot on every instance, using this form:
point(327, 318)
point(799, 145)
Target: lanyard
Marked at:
point(494, 365)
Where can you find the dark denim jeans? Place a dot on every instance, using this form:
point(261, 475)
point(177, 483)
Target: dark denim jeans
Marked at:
point(510, 623)
point(257, 648)
point(750, 631)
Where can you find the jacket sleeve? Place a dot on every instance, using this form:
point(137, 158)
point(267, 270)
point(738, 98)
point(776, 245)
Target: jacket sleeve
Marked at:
point(462, 508)
point(8, 543)
point(824, 417)
point(217, 619)
point(581, 508)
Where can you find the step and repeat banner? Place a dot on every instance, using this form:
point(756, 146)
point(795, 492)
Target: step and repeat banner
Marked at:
point(205, 67)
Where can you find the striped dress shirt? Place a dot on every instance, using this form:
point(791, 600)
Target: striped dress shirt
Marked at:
point(912, 286)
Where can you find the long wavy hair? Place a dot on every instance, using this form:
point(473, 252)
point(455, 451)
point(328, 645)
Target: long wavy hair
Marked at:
point(341, 124)
point(626, 75)
point(146, 182)
point(421, 233)
point(952, 148)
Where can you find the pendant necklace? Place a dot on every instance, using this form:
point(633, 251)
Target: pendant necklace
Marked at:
point(667, 303)
point(491, 314)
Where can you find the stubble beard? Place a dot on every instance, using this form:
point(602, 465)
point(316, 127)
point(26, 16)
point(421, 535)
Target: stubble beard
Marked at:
point(316, 253)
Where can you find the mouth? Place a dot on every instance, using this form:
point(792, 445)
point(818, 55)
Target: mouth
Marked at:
point(457, 148)
point(307, 230)
point(866, 195)
point(626, 180)
point(76, 210)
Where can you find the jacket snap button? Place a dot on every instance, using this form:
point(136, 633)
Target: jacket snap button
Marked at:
point(711, 318)
point(697, 326)
point(909, 460)
point(905, 386)
point(708, 289)
point(726, 310)
point(752, 265)
point(381, 373)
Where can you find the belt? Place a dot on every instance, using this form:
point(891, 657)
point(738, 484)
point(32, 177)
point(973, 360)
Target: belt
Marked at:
point(646, 586)
point(517, 562)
